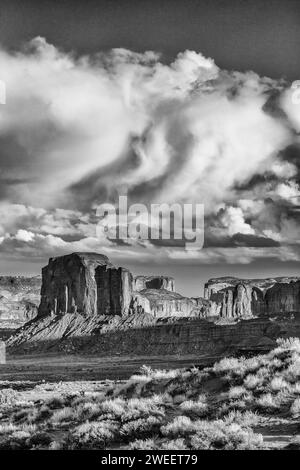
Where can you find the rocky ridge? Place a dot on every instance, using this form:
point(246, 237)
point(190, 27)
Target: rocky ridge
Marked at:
point(84, 295)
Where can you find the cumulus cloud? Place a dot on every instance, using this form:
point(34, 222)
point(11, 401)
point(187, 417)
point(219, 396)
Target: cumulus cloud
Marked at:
point(76, 131)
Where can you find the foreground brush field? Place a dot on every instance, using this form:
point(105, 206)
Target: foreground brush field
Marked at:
point(238, 403)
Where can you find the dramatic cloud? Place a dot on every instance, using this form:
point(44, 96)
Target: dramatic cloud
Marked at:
point(78, 131)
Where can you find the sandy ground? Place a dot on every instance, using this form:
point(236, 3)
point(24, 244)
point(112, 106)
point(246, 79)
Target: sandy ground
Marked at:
point(53, 368)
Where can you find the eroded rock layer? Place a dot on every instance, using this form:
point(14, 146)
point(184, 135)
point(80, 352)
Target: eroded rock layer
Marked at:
point(243, 301)
point(69, 285)
point(283, 298)
point(255, 297)
point(218, 285)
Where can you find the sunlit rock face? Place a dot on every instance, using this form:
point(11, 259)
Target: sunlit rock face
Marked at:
point(163, 303)
point(243, 301)
point(253, 297)
point(69, 285)
point(153, 282)
point(283, 298)
point(217, 286)
point(2, 353)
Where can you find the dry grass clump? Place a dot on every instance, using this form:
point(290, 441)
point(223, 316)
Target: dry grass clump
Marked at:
point(8, 397)
point(93, 434)
point(198, 407)
point(295, 408)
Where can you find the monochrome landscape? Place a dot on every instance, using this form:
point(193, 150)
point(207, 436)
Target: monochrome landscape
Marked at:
point(149, 225)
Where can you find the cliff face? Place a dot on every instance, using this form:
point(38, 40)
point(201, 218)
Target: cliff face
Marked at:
point(153, 282)
point(216, 286)
point(114, 290)
point(2, 353)
point(69, 284)
point(88, 284)
point(163, 303)
point(19, 300)
point(283, 298)
point(254, 297)
point(242, 301)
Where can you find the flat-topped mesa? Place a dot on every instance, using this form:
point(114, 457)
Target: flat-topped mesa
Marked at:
point(153, 282)
point(242, 300)
point(215, 288)
point(69, 285)
point(252, 297)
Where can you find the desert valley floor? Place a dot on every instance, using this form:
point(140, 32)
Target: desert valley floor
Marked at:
point(51, 402)
point(53, 368)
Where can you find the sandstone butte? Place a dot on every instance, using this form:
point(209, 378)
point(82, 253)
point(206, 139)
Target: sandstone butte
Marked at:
point(84, 294)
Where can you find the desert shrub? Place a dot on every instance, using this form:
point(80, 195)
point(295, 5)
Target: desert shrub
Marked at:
point(296, 388)
point(141, 444)
point(56, 445)
point(17, 440)
point(227, 364)
point(293, 371)
point(55, 402)
point(180, 426)
point(40, 440)
point(179, 399)
point(115, 407)
point(252, 381)
point(295, 408)
point(198, 407)
point(237, 392)
point(174, 444)
point(21, 415)
point(32, 416)
point(264, 373)
point(63, 415)
point(267, 402)
point(146, 370)
point(93, 434)
point(278, 383)
point(133, 387)
point(88, 410)
point(41, 414)
point(7, 428)
point(290, 344)
point(246, 418)
point(142, 407)
point(8, 396)
point(217, 435)
point(142, 427)
point(16, 437)
point(275, 363)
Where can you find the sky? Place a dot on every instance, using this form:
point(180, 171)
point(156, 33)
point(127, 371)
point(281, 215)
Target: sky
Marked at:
point(167, 102)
